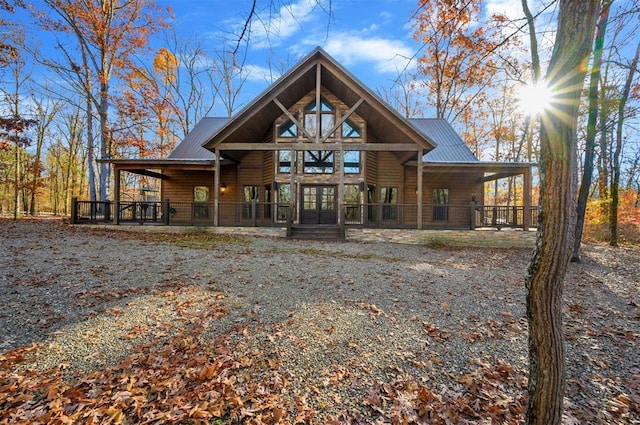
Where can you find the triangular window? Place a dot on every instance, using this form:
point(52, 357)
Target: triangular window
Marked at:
point(288, 130)
point(350, 130)
point(324, 106)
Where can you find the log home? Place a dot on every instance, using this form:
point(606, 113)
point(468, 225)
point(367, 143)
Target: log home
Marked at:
point(318, 149)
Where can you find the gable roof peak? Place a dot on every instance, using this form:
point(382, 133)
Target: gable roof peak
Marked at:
point(253, 122)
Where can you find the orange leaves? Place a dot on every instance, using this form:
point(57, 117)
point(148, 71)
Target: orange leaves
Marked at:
point(628, 211)
point(436, 333)
point(166, 63)
point(597, 217)
point(480, 397)
point(210, 371)
point(182, 381)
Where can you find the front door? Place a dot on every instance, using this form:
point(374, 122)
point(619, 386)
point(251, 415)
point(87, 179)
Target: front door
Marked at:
point(319, 205)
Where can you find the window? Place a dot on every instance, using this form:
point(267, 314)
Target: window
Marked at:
point(328, 198)
point(440, 204)
point(351, 162)
point(352, 203)
point(201, 202)
point(351, 194)
point(200, 194)
point(327, 118)
point(318, 162)
point(389, 197)
point(350, 130)
point(284, 197)
point(251, 193)
point(288, 130)
point(284, 161)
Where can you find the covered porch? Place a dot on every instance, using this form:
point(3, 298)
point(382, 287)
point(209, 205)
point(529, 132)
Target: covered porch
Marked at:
point(221, 211)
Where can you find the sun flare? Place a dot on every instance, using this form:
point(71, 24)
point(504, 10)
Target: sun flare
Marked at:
point(534, 99)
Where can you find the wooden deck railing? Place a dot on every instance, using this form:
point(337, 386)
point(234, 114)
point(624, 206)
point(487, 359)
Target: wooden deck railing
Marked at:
point(265, 214)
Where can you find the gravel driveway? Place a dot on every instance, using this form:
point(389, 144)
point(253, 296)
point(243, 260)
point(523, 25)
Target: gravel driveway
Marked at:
point(342, 319)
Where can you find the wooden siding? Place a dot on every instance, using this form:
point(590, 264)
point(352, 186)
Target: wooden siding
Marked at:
point(371, 168)
point(179, 185)
point(269, 170)
point(390, 174)
point(229, 177)
point(250, 173)
point(462, 186)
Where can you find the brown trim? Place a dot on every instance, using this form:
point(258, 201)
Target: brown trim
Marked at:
point(388, 147)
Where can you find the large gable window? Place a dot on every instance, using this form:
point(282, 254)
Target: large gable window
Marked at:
point(326, 115)
point(318, 162)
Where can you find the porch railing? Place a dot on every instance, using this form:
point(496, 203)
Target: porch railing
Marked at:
point(264, 214)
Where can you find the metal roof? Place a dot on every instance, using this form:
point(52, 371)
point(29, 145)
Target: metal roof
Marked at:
point(191, 146)
point(451, 148)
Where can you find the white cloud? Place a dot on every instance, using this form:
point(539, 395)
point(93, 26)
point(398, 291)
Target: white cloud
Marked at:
point(386, 16)
point(509, 8)
point(386, 55)
point(272, 29)
point(260, 74)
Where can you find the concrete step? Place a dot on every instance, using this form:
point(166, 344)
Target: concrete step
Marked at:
point(316, 233)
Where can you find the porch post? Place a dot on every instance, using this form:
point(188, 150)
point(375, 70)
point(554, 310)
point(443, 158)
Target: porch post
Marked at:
point(74, 210)
point(526, 193)
point(419, 189)
point(216, 190)
point(292, 191)
point(116, 195)
point(341, 189)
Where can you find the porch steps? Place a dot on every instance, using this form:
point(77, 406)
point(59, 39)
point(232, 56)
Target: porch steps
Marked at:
point(326, 233)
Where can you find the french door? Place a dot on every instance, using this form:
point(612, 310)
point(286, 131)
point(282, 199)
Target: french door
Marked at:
point(319, 204)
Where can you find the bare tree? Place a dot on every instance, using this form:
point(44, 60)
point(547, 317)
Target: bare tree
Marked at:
point(44, 111)
point(404, 94)
point(231, 72)
point(195, 85)
point(260, 13)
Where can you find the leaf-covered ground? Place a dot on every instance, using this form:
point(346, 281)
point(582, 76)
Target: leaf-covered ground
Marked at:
point(106, 327)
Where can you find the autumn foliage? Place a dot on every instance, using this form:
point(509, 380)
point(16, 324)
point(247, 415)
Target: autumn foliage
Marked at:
point(596, 220)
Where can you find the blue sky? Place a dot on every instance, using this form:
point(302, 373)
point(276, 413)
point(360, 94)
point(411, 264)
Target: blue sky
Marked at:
point(372, 39)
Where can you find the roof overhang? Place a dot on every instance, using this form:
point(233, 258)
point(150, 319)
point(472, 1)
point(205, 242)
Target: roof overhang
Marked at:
point(491, 170)
point(150, 167)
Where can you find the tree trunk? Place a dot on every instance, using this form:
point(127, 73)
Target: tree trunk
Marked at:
point(615, 181)
point(16, 183)
point(590, 142)
point(558, 175)
point(90, 150)
point(105, 140)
